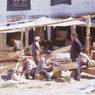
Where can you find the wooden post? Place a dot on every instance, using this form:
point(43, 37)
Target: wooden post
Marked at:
point(87, 42)
point(49, 33)
point(73, 28)
point(26, 37)
point(22, 31)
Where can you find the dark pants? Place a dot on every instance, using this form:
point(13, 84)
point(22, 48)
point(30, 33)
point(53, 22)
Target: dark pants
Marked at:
point(77, 71)
point(36, 59)
point(45, 73)
point(31, 73)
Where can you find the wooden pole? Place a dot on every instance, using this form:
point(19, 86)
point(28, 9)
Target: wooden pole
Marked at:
point(22, 31)
point(73, 28)
point(87, 42)
point(26, 37)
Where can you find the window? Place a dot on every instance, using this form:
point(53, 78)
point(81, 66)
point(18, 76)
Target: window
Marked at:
point(57, 2)
point(16, 5)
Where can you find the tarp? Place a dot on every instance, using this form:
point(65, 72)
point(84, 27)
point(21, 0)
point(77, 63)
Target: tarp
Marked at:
point(42, 21)
point(69, 23)
point(17, 26)
point(11, 31)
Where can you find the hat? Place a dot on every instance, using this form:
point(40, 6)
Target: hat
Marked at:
point(36, 38)
point(74, 34)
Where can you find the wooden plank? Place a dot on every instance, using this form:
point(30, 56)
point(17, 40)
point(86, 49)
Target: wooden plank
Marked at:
point(63, 49)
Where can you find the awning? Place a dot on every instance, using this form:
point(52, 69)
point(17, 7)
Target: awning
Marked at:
point(11, 31)
point(43, 21)
point(69, 23)
point(17, 26)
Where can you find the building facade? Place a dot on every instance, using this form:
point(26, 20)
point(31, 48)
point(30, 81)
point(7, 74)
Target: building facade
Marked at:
point(13, 9)
point(19, 10)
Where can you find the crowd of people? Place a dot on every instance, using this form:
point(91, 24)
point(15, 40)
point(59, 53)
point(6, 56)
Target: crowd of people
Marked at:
point(42, 64)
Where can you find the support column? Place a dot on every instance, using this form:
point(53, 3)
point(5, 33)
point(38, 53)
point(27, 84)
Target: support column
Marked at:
point(22, 33)
point(26, 37)
point(73, 28)
point(3, 45)
point(49, 33)
point(87, 42)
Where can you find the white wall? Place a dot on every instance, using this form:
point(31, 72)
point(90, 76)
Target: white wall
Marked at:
point(42, 7)
point(2, 11)
point(38, 7)
point(77, 7)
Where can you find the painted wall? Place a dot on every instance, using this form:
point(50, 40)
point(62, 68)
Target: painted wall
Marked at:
point(43, 7)
point(76, 8)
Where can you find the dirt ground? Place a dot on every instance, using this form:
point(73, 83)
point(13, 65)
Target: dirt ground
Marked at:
point(35, 87)
point(86, 86)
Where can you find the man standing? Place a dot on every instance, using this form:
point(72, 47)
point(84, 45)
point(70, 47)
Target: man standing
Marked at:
point(75, 50)
point(36, 49)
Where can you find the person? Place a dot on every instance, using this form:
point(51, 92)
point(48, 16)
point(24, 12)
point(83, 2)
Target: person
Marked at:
point(48, 45)
point(75, 50)
point(28, 67)
point(36, 49)
point(43, 66)
point(17, 45)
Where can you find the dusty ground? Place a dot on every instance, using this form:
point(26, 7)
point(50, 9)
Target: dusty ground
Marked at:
point(34, 87)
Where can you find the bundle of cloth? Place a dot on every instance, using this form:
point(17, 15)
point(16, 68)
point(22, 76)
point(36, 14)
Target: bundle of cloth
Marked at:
point(65, 57)
point(62, 57)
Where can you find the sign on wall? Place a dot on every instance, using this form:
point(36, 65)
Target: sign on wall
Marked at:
point(57, 2)
point(17, 5)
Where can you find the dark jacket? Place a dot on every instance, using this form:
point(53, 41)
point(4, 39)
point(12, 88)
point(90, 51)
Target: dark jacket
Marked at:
point(76, 48)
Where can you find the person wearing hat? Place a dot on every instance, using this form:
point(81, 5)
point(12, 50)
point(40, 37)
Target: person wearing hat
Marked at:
point(75, 50)
point(36, 49)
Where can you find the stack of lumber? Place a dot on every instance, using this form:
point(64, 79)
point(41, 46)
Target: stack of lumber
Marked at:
point(5, 66)
point(4, 56)
point(63, 49)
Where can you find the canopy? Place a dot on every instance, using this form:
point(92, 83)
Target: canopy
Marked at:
point(11, 31)
point(38, 22)
point(43, 21)
point(17, 26)
point(69, 23)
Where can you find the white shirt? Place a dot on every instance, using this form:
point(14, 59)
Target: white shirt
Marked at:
point(18, 44)
point(31, 64)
